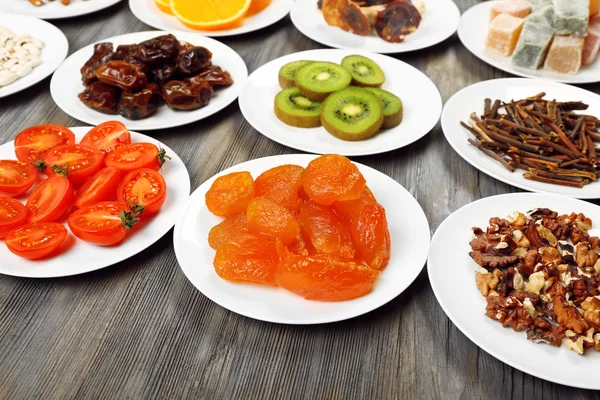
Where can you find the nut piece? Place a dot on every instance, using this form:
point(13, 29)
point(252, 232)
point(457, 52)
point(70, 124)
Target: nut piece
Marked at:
point(520, 238)
point(487, 282)
point(574, 342)
point(517, 220)
point(591, 313)
point(547, 234)
point(550, 254)
point(584, 256)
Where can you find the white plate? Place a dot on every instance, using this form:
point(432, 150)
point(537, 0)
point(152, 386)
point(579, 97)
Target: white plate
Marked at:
point(54, 9)
point(66, 84)
point(54, 52)
point(452, 275)
point(84, 257)
point(473, 31)
point(470, 99)
point(147, 12)
point(420, 98)
point(438, 24)
point(409, 232)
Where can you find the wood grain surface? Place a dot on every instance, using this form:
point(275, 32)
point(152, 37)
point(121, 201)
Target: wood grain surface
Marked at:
point(140, 330)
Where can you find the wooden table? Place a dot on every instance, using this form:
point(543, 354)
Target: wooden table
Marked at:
point(139, 329)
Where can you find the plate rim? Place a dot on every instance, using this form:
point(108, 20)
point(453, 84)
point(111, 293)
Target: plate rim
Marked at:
point(135, 10)
point(251, 119)
point(291, 158)
point(46, 16)
point(131, 124)
point(57, 61)
point(463, 26)
point(450, 315)
point(294, 17)
point(486, 171)
point(175, 157)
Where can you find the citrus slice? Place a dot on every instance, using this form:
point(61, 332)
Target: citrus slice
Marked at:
point(164, 6)
point(210, 15)
point(257, 6)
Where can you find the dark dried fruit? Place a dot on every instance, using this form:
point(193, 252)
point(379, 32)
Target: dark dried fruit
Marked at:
point(347, 16)
point(122, 74)
point(215, 76)
point(102, 54)
point(101, 97)
point(193, 60)
point(187, 95)
point(398, 19)
point(157, 50)
point(163, 73)
point(140, 104)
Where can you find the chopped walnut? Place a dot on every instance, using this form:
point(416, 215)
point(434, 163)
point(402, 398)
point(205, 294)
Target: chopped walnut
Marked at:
point(535, 282)
point(487, 281)
point(508, 311)
point(577, 236)
point(584, 256)
point(591, 313)
point(547, 234)
point(574, 342)
point(582, 223)
point(566, 314)
point(520, 239)
point(550, 254)
point(597, 341)
point(517, 220)
point(492, 261)
point(543, 331)
point(535, 239)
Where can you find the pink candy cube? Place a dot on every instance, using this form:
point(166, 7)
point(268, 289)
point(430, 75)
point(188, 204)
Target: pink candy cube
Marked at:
point(591, 45)
point(515, 8)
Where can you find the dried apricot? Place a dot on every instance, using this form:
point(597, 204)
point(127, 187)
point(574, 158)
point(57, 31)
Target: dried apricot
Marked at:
point(231, 227)
point(247, 258)
point(332, 178)
point(269, 218)
point(280, 184)
point(324, 277)
point(371, 236)
point(326, 230)
point(301, 246)
point(351, 208)
point(230, 194)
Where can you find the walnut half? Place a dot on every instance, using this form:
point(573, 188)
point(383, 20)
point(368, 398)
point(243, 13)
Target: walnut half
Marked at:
point(487, 281)
point(591, 313)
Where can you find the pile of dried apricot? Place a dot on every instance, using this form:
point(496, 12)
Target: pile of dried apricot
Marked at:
point(317, 232)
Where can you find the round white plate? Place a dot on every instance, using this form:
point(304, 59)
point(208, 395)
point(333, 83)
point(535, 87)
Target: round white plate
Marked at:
point(55, 9)
point(409, 232)
point(54, 52)
point(66, 84)
point(452, 275)
point(147, 12)
point(438, 24)
point(470, 99)
point(473, 31)
point(84, 257)
point(420, 98)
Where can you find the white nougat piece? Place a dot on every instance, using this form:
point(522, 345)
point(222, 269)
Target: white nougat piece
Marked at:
point(571, 17)
point(532, 45)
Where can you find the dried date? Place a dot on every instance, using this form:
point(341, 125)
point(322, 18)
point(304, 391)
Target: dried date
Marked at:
point(103, 53)
point(157, 50)
point(141, 104)
point(193, 60)
point(101, 97)
point(122, 74)
point(398, 19)
point(187, 95)
point(215, 76)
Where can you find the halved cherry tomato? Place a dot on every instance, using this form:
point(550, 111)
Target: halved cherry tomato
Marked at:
point(104, 223)
point(82, 161)
point(100, 187)
point(145, 187)
point(16, 177)
point(107, 136)
point(50, 200)
point(32, 143)
point(135, 156)
point(35, 241)
point(12, 215)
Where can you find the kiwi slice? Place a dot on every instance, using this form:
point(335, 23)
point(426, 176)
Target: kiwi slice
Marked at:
point(318, 80)
point(392, 107)
point(287, 73)
point(292, 108)
point(352, 113)
point(364, 71)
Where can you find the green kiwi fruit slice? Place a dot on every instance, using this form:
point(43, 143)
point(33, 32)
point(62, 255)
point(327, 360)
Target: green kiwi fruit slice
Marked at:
point(352, 113)
point(364, 71)
point(287, 73)
point(392, 107)
point(319, 79)
point(292, 108)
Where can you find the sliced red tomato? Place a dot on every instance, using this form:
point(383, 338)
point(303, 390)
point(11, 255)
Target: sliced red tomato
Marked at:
point(104, 224)
point(50, 200)
point(107, 136)
point(80, 160)
point(35, 241)
point(16, 177)
point(145, 187)
point(32, 143)
point(135, 156)
point(100, 187)
point(12, 215)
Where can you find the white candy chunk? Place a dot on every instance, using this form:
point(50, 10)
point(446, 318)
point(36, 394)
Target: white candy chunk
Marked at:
point(7, 77)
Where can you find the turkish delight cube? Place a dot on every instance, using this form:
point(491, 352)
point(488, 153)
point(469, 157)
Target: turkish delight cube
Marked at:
point(591, 46)
point(544, 15)
point(539, 4)
point(516, 8)
point(564, 55)
point(532, 45)
point(594, 7)
point(571, 17)
point(503, 34)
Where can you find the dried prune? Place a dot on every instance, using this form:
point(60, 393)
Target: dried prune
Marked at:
point(398, 19)
point(142, 104)
point(101, 97)
point(163, 73)
point(157, 50)
point(184, 46)
point(103, 53)
point(187, 95)
point(122, 74)
point(193, 60)
point(215, 76)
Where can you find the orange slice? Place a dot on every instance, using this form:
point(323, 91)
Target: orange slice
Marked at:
point(257, 6)
point(164, 6)
point(210, 15)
